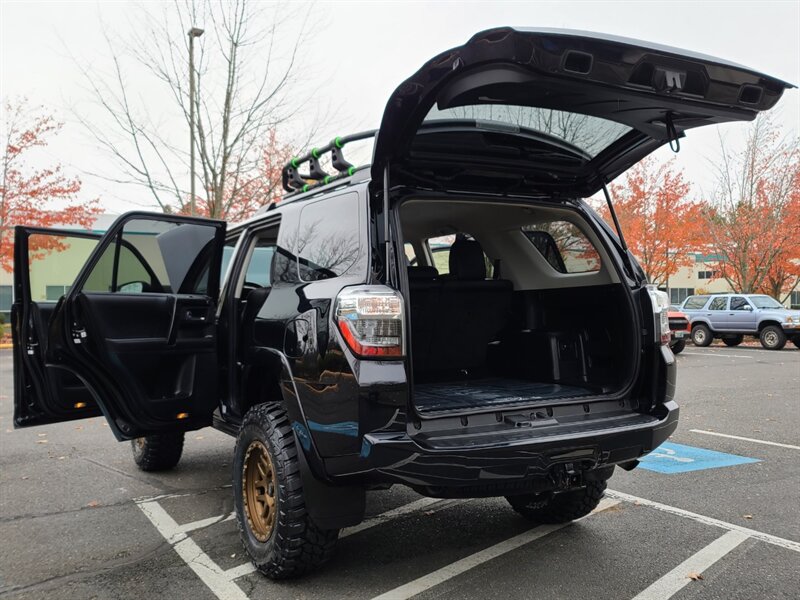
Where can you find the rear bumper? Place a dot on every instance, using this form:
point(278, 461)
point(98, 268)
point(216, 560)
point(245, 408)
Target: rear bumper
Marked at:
point(512, 462)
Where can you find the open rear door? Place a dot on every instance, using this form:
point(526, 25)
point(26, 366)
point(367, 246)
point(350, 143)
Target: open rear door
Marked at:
point(554, 113)
point(131, 336)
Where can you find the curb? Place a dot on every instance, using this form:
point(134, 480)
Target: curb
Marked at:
point(6, 346)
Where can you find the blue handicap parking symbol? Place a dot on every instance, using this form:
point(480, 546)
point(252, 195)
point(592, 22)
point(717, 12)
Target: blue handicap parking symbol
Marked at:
point(677, 458)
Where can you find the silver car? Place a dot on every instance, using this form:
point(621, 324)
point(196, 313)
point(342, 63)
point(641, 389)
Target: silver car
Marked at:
point(732, 316)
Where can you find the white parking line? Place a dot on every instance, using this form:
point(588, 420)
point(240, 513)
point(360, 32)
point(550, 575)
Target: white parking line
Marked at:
point(674, 581)
point(717, 355)
point(198, 561)
point(248, 568)
point(745, 439)
point(465, 564)
point(390, 514)
point(674, 510)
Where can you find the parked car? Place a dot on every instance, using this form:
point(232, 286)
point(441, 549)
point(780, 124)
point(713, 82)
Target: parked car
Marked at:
point(680, 330)
point(730, 317)
point(339, 369)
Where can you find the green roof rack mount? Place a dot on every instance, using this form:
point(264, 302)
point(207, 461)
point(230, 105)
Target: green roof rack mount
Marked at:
point(295, 181)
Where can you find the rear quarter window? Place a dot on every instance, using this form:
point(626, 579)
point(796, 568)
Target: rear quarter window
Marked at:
point(328, 239)
point(695, 302)
point(564, 246)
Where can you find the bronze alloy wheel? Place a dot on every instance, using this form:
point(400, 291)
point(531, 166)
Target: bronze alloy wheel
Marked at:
point(259, 490)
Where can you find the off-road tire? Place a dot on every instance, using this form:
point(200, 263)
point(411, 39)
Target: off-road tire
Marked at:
point(733, 341)
point(296, 545)
point(796, 341)
point(562, 507)
point(157, 452)
point(702, 336)
point(772, 337)
point(678, 346)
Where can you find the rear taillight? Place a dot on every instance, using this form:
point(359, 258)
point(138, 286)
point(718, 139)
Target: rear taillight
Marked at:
point(370, 319)
point(660, 302)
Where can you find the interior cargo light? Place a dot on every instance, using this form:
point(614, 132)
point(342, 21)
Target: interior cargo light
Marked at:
point(660, 302)
point(370, 319)
point(182, 416)
point(79, 405)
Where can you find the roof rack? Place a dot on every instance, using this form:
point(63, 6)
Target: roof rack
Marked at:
point(294, 181)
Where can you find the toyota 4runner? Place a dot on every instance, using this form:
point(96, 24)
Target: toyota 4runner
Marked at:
point(730, 317)
point(339, 367)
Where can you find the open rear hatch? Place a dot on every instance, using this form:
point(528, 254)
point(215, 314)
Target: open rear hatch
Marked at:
point(554, 112)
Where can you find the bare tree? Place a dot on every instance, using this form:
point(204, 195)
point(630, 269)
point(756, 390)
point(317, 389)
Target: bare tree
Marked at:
point(753, 219)
point(247, 87)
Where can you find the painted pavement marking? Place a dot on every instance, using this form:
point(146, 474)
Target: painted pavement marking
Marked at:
point(745, 439)
point(470, 562)
point(717, 355)
point(674, 510)
point(198, 561)
point(671, 458)
point(674, 581)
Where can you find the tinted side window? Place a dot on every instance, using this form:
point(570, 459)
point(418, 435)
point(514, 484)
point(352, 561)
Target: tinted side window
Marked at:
point(719, 303)
point(259, 267)
point(739, 303)
point(695, 302)
point(54, 264)
point(327, 242)
point(575, 253)
point(155, 256)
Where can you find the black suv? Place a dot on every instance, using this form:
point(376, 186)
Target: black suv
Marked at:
point(343, 355)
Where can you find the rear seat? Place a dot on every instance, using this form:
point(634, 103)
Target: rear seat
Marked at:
point(454, 317)
point(425, 291)
point(474, 310)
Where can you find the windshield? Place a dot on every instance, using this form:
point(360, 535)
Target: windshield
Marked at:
point(589, 134)
point(765, 302)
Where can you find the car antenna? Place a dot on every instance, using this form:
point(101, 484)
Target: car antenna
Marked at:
point(626, 253)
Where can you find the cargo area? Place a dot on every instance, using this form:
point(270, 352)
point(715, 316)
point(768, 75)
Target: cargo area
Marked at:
point(505, 322)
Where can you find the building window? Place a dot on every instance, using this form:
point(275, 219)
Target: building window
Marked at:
point(7, 298)
point(678, 295)
point(54, 292)
point(794, 302)
point(707, 274)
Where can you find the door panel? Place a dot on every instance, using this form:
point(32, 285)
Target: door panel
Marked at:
point(717, 313)
point(137, 329)
point(46, 261)
point(741, 316)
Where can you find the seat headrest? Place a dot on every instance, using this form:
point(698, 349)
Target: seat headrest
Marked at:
point(466, 260)
point(422, 273)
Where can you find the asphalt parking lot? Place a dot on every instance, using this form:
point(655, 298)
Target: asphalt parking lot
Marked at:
point(78, 520)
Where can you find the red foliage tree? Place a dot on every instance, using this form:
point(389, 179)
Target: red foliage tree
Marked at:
point(40, 197)
point(753, 220)
point(783, 276)
point(662, 226)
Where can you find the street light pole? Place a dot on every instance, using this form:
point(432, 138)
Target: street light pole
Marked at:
point(194, 32)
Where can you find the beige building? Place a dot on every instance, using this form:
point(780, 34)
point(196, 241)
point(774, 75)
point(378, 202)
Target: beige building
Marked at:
point(55, 272)
point(701, 278)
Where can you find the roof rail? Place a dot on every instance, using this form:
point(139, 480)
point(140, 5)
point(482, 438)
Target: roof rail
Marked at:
point(294, 181)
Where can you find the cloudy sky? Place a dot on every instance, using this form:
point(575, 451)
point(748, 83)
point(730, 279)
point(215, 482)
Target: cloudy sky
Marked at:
point(361, 51)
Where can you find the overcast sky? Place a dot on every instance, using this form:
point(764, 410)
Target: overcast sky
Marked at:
point(362, 51)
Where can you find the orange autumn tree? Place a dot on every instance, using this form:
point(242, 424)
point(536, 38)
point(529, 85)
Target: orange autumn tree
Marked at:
point(783, 276)
point(40, 197)
point(662, 226)
point(246, 192)
point(753, 219)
